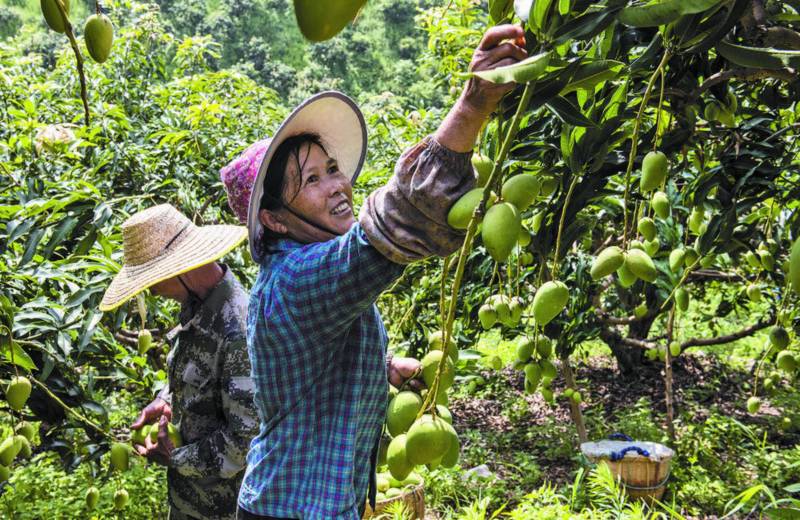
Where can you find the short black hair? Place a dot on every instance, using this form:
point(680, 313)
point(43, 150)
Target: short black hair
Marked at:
point(275, 180)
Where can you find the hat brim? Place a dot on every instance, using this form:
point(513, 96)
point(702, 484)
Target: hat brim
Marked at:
point(340, 125)
point(200, 246)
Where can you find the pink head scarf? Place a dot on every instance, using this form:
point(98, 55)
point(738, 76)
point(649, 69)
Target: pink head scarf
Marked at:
point(239, 175)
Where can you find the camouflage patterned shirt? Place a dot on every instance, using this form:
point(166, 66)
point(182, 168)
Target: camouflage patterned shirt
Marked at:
point(211, 395)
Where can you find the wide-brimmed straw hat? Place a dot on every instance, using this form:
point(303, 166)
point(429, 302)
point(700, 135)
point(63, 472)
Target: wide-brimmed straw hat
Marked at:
point(160, 243)
point(339, 123)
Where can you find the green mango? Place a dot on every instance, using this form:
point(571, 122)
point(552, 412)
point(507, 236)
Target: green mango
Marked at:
point(120, 456)
point(99, 35)
point(682, 298)
point(754, 292)
point(25, 429)
point(752, 259)
point(640, 311)
point(676, 260)
point(674, 349)
point(525, 347)
point(651, 247)
point(524, 238)
point(626, 276)
point(549, 185)
point(786, 361)
point(483, 166)
point(526, 258)
point(427, 440)
point(544, 347)
point(641, 265)
point(320, 21)
point(690, 256)
point(402, 412)
point(549, 301)
point(647, 227)
point(712, 111)
point(609, 260)
point(536, 222)
point(120, 499)
point(779, 337)
point(654, 171)
point(17, 392)
point(515, 312)
point(753, 404)
point(138, 436)
point(52, 15)
point(397, 458)
point(430, 364)
point(533, 376)
point(5, 473)
point(636, 244)
point(461, 213)
point(453, 452)
point(92, 496)
point(144, 341)
point(794, 266)
point(660, 204)
point(502, 305)
point(500, 230)
point(487, 316)
point(436, 342)
point(696, 218)
point(9, 449)
point(521, 190)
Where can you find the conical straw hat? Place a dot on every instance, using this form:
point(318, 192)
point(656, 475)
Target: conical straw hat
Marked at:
point(339, 123)
point(160, 243)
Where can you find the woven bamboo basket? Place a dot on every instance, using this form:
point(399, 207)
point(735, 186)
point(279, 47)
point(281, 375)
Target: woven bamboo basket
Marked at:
point(414, 498)
point(642, 467)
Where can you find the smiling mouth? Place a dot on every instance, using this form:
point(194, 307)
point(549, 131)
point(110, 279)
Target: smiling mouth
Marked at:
point(341, 209)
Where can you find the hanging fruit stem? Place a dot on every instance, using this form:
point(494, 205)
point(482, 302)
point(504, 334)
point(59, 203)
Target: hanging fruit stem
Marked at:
point(556, 259)
point(575, 408)
point(447, 326)
point(78, 59)
point(668, 377)
point(635, 143)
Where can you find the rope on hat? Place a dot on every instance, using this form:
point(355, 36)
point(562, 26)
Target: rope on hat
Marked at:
point(171, 240)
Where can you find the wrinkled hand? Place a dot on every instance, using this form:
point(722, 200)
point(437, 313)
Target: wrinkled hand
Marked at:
point(501, 45)
point(160, 451)
point(152, 413)
point(402, 369)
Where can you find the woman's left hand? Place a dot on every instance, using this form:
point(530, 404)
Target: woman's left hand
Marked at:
point(401, 369)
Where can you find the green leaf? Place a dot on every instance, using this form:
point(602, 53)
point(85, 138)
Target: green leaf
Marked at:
point(21, 358)
point(589, 75)
point(62, 231)
point(522, 72)
point(585, 26)
point(651, 15)
point(30, 247)
point(758, 58)
point(499, 9)
point(567, 112)
point(539, 14)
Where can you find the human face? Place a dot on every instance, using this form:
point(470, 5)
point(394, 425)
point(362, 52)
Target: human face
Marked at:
point(320, 193)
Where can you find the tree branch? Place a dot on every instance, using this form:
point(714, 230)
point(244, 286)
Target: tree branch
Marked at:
point(703, 274)
point(721, 340)
point(787, 75)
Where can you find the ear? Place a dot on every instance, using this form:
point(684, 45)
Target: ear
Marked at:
point(271, 221)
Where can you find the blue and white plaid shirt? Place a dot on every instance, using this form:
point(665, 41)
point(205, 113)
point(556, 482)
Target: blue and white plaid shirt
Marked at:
point(317, 347)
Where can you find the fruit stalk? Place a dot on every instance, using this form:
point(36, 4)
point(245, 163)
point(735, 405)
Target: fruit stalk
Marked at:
point(78, 59)
point(561, 225)
point(668, 376)
point(447, 328)
point(575, 408)
point(635, 143)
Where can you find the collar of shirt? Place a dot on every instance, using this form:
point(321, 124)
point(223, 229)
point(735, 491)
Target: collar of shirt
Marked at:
point(213, 301)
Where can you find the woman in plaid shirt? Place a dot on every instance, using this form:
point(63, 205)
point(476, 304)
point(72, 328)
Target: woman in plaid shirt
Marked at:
point(316, 341)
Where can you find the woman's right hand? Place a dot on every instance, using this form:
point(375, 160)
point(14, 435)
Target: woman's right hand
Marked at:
point(500, 46)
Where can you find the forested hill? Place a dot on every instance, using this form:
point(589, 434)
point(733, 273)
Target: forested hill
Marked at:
point(379, 53)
